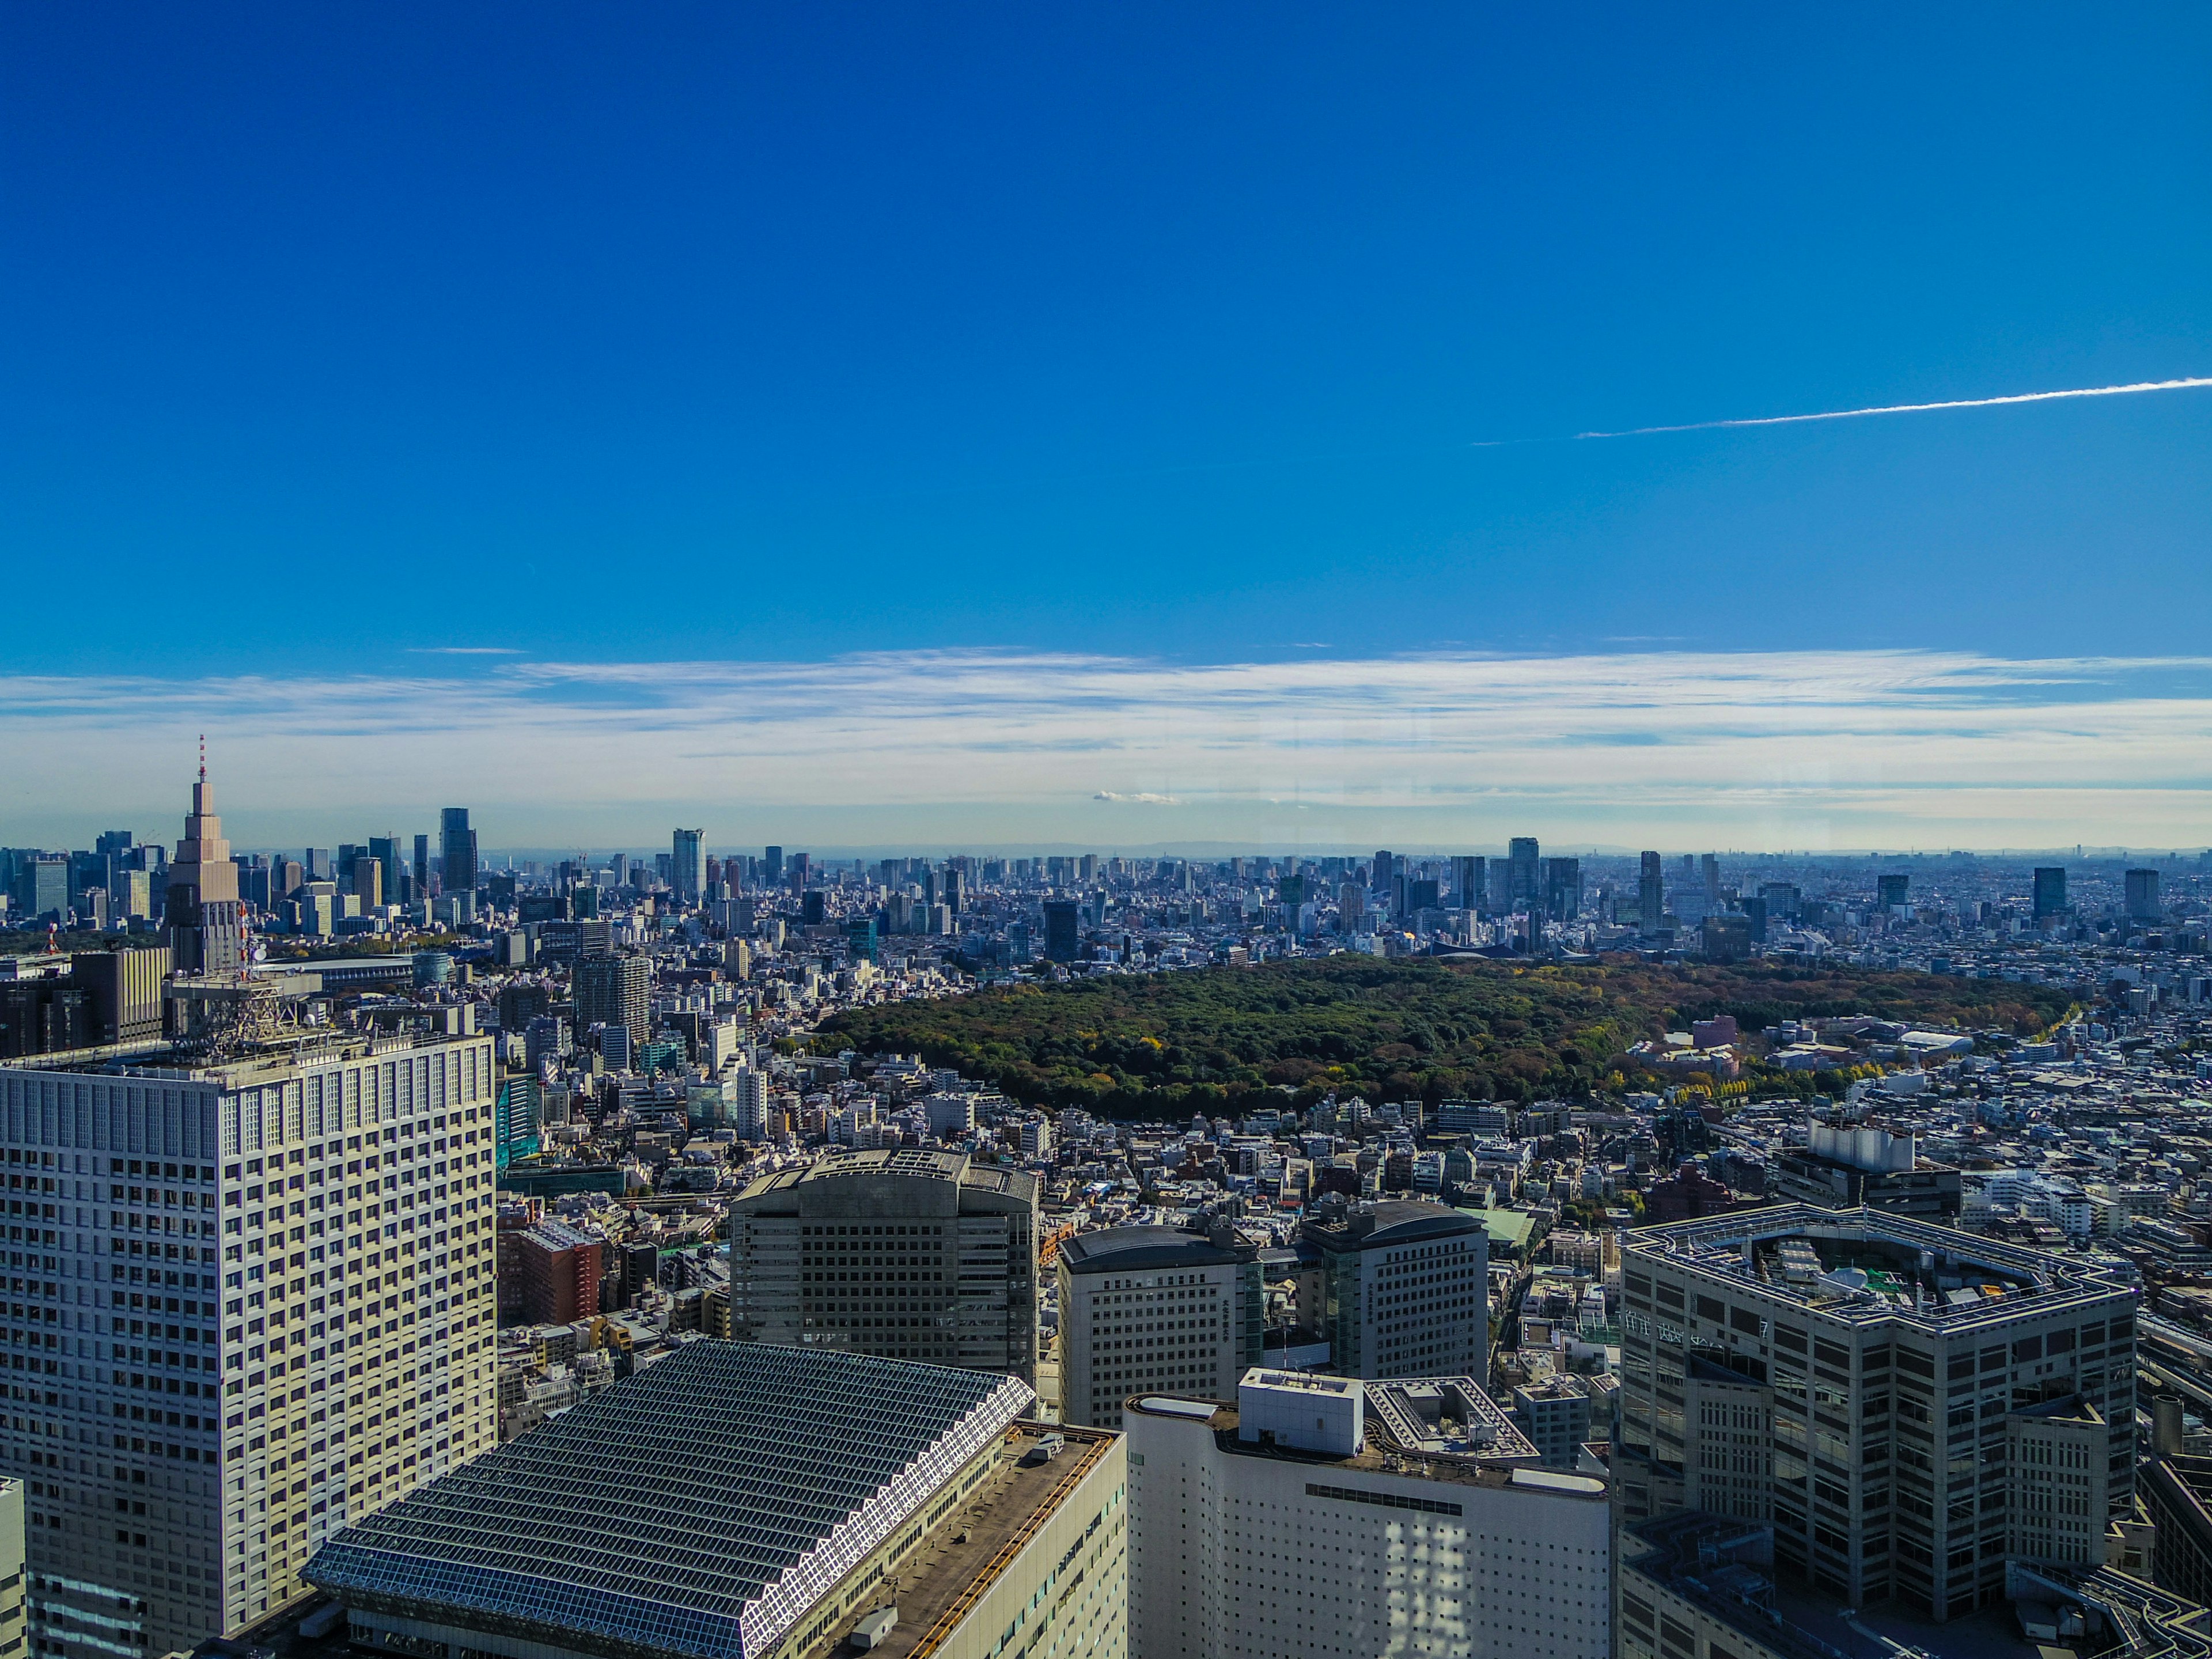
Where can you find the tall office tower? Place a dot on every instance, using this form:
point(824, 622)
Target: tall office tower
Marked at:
point(1352, 908)
point(2142, 896)
point(1146, 1308)
point(1336, 1519)
point(1523, 877)
point(1893, 1358)
point(956, 891)
point(207, 934)
point(1650, 895)
point(1709, 867)
point(1895, 892)
point(421, 867)
point(1562, 888)
point(318, 863)
point(1063, 940)
point(613, 991)
point(772, 867)
point(1783, 902)
point(908, 1254)
point(1386, 867)
point(688, 867)
point(122, 992)
point(391, 868)
point(798, 868)
point(208, 1433)
point(1471, 882)
point(457, 850)
point(368, 882)
point(800, 1504)
point(1402, 1286)
point(2050, 890)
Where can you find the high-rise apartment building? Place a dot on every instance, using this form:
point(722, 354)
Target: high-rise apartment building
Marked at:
point(457, 851)
point(687, 878)
point(257, 1303)
point(1145, 1308)
point(612, 991)
point(1403, 1285)
point(735, 1501)
point(205, 921)
point(1862, 1381)
point(2050, 890)
point(908, 1254)
point(1324, 1517)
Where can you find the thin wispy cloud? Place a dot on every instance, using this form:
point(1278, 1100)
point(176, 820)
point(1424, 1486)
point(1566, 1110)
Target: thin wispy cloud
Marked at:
point(1855, 748)
point(463, 651)
point(2187, 385)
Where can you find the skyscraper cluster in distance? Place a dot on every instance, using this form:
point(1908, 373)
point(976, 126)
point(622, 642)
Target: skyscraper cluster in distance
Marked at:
point(447, 1254)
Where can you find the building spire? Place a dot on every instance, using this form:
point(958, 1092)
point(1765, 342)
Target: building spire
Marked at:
point(202, 758)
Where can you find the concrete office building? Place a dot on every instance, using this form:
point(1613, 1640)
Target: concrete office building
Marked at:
point(2142, 895)
point(204, 917)
point(614, 992)
point(1892, 1359)
point(687, 876)
point(1147, 1308)
point(1403, 1287)
point(1329, 1517)
point(737, 1501)
point(907, 1254)
point(258, 1302)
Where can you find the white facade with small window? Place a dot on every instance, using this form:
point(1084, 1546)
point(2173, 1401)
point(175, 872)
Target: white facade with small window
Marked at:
point(1243, 1549)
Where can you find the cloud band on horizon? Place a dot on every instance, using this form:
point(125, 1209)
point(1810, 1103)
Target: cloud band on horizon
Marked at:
point(1743, 749)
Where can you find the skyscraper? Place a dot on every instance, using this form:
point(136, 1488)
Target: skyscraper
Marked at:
point(1562, 887)
point(213, 1432)
point(2050, 890)
point(1385, 868)
point(1063, 938)
point(1711, 867)
point(392, 877)
point(2142, 896)
point(908, 1254)
point(1471, 882)
point(206, 931)
point(772, 867)
point(687, 868)
point(457, 850)
point(1651, 894)
point(1895, 892)
point(1884, 1371)
point(421, 867)
point(1522, 876)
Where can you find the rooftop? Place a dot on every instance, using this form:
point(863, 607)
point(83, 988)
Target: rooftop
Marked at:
point(1126, 1249)
point(695, 1508)
point(1417, 1457)
point(1863, 1264)
point(1389, 1222)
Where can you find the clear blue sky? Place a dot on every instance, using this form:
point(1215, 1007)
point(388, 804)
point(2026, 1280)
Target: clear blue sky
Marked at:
point(717, 331)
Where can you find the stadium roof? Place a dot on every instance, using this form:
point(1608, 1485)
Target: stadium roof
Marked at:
point(697, 1508)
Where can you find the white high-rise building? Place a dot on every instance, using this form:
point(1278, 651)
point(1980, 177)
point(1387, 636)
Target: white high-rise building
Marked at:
point(1336, 1519)
point(256, 1302)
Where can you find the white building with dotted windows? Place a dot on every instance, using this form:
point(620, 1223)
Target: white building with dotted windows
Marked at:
point(1324, 1517)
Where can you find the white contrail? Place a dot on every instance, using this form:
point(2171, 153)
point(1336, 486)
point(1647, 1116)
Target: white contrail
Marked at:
point(1913, 408)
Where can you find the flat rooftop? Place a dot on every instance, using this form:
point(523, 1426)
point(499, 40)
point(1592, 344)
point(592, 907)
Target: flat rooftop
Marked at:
point(1868, 1264)
point(667, 1511)
point(1383, 1455)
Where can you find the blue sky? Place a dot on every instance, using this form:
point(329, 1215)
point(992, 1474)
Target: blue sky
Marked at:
point(1159, 335)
